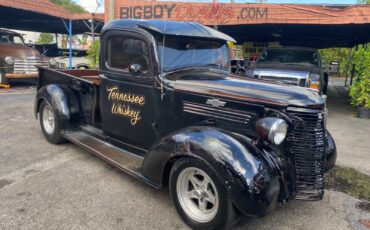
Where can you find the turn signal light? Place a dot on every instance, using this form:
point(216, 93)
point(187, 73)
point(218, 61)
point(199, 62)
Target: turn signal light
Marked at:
point(314, 86)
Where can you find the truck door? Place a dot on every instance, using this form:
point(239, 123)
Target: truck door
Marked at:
point(129, 95)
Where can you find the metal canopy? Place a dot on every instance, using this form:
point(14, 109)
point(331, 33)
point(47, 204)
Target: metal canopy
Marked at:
point(21, 19)
point(316, 36)
point(44, 16)
point(309, 25)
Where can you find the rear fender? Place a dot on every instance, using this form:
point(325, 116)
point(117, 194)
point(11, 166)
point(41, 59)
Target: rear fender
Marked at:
point(63, 101)
point(253, 185)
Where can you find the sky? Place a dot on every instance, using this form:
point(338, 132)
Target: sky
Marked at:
point(91, 5)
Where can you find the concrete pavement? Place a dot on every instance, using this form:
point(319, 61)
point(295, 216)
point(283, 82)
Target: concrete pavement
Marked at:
point(43, 186)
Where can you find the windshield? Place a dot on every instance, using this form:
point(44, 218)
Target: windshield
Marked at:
point(11, 39)
point(182, 52)
point(289, 56)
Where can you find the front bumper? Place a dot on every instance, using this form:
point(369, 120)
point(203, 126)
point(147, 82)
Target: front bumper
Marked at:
point(22, 75)
point(331, 152)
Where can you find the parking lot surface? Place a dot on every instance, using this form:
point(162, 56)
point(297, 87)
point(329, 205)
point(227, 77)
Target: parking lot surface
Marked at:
point(43, 186)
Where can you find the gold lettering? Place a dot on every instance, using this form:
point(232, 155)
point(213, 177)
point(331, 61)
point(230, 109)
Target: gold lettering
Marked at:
point(126, 111)
point(115, 94)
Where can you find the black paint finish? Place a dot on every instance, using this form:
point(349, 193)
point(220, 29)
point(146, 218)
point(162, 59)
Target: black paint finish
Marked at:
point(200, 112)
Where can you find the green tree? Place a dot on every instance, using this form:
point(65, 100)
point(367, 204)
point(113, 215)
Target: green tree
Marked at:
point(82, 40)
point(69, 6)
point(93, 54)
point(45, 38)
point(337, 54)
point(363, 1)
point(360, 91)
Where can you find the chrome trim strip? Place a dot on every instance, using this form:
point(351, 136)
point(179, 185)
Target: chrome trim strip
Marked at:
point(219, 113)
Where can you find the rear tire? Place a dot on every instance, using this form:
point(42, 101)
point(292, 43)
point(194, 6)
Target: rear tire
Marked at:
point(200, 197)
point(3, 79)
point(50, 124)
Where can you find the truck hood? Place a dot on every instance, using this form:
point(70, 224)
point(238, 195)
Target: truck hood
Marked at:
point(228, 86)
point(287, 69)
point(17, 51)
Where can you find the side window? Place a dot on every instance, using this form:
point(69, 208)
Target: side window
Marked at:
point(122, 52)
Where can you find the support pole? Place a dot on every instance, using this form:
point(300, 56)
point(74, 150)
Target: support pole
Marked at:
point(93, 29)
point(70, 43)
point(353, 70)
point(348, 66)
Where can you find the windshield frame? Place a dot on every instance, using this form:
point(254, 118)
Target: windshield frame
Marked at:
point(282, 49)
point(11, 41)
point(159, 39)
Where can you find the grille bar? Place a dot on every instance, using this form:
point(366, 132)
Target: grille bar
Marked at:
point(28, 65)
point(307, 146)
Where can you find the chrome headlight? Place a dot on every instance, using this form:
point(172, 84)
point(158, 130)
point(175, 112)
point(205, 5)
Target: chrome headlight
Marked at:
point(9, 60)
point(53, 61)
point(314, 81)
point(272, 129)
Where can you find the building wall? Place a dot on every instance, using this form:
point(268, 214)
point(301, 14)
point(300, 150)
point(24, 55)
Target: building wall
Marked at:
point(235, 13)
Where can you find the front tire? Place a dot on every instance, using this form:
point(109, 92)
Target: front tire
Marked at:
point(200, 197)
point(49, 123)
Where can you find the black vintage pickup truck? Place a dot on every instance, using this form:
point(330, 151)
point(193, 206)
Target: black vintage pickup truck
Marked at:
point(164, 108)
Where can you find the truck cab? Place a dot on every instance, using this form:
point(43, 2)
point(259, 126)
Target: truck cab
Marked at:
point(165, 108)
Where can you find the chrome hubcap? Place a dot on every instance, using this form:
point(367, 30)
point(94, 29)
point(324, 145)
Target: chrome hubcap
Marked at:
point(197, 194)
point(48, 119)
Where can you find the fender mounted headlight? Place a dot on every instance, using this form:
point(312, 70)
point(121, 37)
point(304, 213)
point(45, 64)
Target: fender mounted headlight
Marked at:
point(272, 129)
point(53, 61)
point(9, 60)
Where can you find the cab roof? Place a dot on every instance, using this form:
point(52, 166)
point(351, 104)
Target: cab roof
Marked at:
point(5, 31)
point(174, 28)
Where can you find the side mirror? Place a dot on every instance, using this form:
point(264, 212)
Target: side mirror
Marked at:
point(135, 69)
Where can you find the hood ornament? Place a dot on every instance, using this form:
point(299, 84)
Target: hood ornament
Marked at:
point(216, 103)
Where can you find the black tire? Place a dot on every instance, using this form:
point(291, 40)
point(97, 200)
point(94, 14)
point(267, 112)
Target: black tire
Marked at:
point(3, 79)
point(82, 67)
point(53, 137)
point(224, 219)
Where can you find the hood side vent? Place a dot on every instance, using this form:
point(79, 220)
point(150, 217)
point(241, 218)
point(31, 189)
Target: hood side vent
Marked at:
point(217, 113)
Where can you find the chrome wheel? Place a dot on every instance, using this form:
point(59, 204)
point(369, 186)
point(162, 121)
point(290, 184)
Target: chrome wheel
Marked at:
point(48, 119)
point(197, 194)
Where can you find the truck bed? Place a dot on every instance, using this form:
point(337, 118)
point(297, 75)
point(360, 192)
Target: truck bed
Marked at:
point(84, 84)
point(86, 74)
point(58, 76)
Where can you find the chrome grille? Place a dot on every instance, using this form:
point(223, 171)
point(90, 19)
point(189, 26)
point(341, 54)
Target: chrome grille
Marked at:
point(218, 113)
point(28, 65)
point(307, 146)
point(284, 80)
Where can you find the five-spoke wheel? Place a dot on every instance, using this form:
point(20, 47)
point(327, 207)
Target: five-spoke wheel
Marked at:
point(199, 195)
point(48, 119)
point(50, 124)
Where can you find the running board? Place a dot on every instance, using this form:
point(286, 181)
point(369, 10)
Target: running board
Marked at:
point(123, 160)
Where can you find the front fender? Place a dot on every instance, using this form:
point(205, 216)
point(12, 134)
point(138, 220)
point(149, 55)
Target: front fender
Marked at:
point(63, 101)
point(253, 185)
